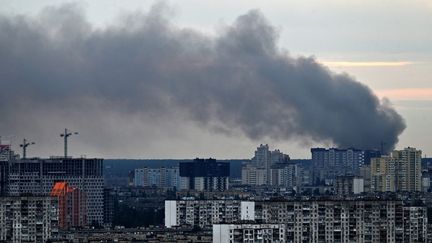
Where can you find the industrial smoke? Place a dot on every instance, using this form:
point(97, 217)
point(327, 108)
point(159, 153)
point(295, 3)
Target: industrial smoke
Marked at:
point(145, 65)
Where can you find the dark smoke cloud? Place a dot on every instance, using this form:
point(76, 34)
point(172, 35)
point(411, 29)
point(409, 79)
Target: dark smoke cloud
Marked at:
point(56, 67)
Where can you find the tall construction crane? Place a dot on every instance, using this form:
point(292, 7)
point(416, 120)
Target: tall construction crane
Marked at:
point(65, 136)
point(24, 146)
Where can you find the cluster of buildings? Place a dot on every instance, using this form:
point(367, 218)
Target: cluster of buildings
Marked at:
point(399, 171)
point(302, 220)
point(197, 175)
point(340, 195)
point(270, 168)
point(338, 171)
point(39, 197)
point(328, 164)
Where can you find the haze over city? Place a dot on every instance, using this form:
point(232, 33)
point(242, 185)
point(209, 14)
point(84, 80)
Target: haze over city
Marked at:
point(150, 79)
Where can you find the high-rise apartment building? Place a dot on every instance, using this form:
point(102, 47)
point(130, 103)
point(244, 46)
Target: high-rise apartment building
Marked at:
point(409, 169)
point(284, 175)
point(347, 220)
point(28, 219)
point(320, 220)
point(38, 176)
point(329, 163)
point(348, 185)
point(72, 211)
point(5, 156)
point(205, 213)
point(204, 175)
point(163, 177)
point(109, 198)
point(253, 175)
point(261, 167)
point(383, 174)
point(401, 171)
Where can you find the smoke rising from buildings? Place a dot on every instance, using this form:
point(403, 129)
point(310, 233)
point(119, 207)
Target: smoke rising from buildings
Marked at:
point(56, 66)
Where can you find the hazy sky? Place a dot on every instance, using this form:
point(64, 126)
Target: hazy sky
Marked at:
point(385, 45)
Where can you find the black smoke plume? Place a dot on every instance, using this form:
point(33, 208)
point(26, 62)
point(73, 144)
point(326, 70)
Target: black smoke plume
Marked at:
point(146, 66)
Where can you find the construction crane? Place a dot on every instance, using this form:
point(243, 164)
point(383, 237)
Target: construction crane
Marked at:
point(65, 136)
point(24, 146)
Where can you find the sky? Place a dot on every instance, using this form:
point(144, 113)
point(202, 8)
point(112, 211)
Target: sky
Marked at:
point(384, 45)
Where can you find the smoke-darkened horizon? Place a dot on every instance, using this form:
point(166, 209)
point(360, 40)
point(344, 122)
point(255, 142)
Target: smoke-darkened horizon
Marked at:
point(57, 67)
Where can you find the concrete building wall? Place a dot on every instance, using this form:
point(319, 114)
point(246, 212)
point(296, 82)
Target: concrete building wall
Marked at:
point(170, 214)
point(247, 210)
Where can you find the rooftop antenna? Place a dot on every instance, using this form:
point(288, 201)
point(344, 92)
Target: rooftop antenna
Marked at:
point(24, 146)
point(65, 135)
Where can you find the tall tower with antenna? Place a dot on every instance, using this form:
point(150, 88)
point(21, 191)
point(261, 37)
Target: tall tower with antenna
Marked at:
point(65, 136)
point(24, 146)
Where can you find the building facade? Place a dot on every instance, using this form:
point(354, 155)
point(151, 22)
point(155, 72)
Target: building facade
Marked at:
point(163, 177)
point(5, 155)
point(329, 163)
point(401, 171)
point(204, 175)
point(266, 168)
point(240, 233)
point(284, 175)
point(205, 213)
point(348, 220)
point(348, 185)
point(38, 176)
point(28, 219)
point(72, 212)
point(253, 175)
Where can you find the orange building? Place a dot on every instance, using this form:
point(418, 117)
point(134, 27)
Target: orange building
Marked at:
point(71, 205)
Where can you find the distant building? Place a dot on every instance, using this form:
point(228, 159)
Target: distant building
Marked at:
point(38, 176)
point(204, 175)
point(5, 155)
point(329, 163)
point(242, 232)
point(163, 177)
point(72, 212)
point(348, 185)
point(253, 175)
point(284, 175)
point(383, 174)
point(265, 167)
point(108, 211)
point(4, 178)
point(401, 171)
point(409, 168)
point(28, 219)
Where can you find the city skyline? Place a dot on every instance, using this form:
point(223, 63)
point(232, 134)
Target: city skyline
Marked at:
point(395, 64)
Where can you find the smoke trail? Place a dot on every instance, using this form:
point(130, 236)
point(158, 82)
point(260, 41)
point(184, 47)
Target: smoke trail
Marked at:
point(146, 66)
